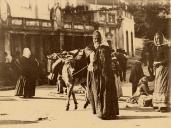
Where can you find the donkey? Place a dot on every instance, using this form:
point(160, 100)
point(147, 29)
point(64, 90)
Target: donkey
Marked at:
point(74, 71)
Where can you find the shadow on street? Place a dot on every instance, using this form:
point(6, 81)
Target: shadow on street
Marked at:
point(9, 122)
point(140, 117)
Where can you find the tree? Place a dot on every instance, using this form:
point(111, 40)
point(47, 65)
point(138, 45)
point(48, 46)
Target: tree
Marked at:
point(149, 19)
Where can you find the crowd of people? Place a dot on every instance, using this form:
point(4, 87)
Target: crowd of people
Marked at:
point(106, 70)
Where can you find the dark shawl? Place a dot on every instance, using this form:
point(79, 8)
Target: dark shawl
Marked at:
point(27, 80)
point(101, 85)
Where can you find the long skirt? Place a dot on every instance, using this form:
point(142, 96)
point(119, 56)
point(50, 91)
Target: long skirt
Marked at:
point(161, 87)
point(20, 86)
point(25, 87)
point(102, 96)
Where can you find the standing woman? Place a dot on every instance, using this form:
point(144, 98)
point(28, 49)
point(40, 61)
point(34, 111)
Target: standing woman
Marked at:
point(161, 87)
point(28, 68)
point(100, 80)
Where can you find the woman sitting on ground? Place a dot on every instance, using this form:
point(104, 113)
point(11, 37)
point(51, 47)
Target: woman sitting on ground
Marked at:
point(142, 91)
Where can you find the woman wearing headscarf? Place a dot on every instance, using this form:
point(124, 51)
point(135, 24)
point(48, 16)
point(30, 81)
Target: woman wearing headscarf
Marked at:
point(100, 80)
point(161, 87)
point(28, 67)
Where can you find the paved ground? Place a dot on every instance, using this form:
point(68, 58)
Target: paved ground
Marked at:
point(47, 110)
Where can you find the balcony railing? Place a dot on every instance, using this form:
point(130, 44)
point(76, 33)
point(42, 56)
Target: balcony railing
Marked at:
point(42, 24)
point(71, 22)
point(28, 23)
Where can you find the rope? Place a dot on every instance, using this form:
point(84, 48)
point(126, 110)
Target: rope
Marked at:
point(74, 57)
point(80, 70)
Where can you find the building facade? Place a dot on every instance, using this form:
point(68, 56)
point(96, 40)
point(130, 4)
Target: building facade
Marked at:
point(26, 23)
point(119, 24)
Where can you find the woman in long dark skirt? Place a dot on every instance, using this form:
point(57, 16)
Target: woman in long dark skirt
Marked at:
point(100, 81)
point(28, 68)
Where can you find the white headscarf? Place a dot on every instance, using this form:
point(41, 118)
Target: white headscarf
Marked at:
point(163, 42)
point(26, 52)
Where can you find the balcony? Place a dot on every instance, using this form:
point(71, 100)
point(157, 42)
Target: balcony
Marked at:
point(75, 22)
point(30, 24)
point(20, 23)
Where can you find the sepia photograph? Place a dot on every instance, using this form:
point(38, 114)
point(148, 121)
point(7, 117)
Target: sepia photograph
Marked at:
point(85, 63)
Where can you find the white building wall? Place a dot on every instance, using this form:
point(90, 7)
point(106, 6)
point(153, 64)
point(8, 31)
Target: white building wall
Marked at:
point(121, 38)
point(128, 25)
point(138, 43)
point(113, 39)
point(19, 8)
point(30, 8)
point(41, 9)
point(36, 8)
point(102, 30)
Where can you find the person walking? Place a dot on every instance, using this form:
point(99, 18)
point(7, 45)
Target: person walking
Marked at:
point(101, 87)
point(28, 67)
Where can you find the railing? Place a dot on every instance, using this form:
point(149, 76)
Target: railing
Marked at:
point(28, 23)
point(78, 26)
point(73, 22)
point(42, 24)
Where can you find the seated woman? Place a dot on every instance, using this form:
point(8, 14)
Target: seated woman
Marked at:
point(142, 93)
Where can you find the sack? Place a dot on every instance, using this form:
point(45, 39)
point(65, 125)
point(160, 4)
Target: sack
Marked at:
point(51, 76)
point(145, 101)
